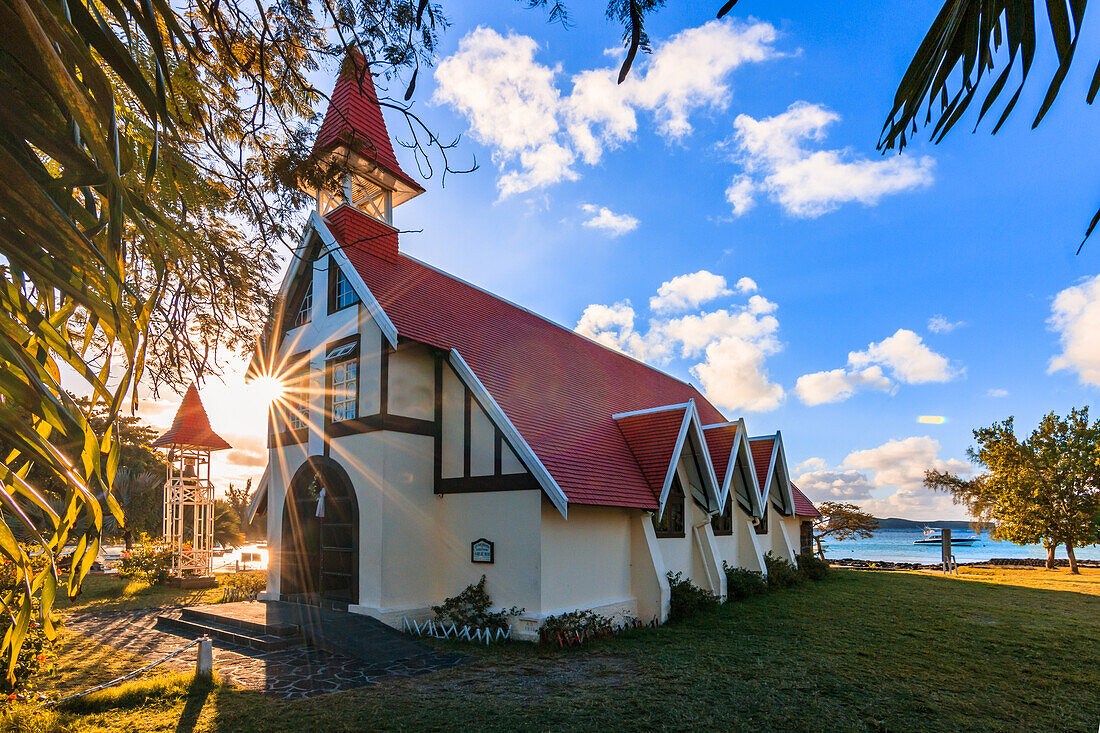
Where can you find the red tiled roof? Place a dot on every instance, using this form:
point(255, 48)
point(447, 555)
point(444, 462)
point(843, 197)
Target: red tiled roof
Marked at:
point(652, 439)
point(720, 440)
point(191, 427)
point(803, 507)
point(559, 389)
point(354, 118)
point(762, 458)
point(366, 232)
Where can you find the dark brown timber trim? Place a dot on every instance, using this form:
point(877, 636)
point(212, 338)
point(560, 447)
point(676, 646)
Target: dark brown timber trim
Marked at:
point(374, 423)
point(511, 482)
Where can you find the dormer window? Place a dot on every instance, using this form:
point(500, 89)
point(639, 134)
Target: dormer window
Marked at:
point(672, 520)
point(722, 524)
point(341, 294)
point(305, 308)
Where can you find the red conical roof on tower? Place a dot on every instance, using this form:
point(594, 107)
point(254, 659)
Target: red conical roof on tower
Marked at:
point(191, 427)
point(354, 119)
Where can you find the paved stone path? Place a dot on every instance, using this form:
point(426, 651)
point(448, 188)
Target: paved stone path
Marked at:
point(287, 674)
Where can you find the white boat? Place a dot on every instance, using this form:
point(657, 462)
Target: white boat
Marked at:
point(933, 536)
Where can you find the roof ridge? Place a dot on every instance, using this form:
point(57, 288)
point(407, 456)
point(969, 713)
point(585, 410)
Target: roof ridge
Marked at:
point(554, 323)
point(651, 410)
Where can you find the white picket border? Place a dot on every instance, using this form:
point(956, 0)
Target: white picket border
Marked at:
point(439, 630)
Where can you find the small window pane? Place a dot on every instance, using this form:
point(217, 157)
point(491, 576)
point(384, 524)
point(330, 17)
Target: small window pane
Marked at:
point(344, 387)
point(305, 308)
point(672, 521)
point(345, 294)
point(722, 524)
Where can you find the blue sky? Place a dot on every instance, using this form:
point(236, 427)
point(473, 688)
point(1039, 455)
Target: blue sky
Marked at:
point(850, 253)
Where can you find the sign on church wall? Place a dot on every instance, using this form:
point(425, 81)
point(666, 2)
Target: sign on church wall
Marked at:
point(481, 550)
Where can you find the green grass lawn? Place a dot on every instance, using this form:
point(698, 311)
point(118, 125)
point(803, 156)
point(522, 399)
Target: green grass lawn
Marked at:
point(857, 651)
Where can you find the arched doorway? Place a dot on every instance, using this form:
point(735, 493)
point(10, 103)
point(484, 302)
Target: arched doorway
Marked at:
point(320, 538)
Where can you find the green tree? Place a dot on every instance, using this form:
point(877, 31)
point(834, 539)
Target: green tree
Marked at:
point(960, 54)
point(227, 525)
point(1042, 490)
point(141, 496)
point(241, 500)
point(842, 522)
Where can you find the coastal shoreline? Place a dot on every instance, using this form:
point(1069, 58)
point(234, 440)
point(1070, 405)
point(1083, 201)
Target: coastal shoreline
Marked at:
point(1025, 563)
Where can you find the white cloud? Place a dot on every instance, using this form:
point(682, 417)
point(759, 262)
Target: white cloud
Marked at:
point(905, 355)
point(688, 291)
point(607, 221)
point(811, 464)
point(835, 485)
point(997, 393)
point(729, 345)
point(887, 480)
point(808, 183)
point(512, 105)
point(838, 385)
point(746, 285)
point(908, 358)
point(734, 377)
point(1075, 316)
point(537, 133)
point(939, 324)
point(740, 194)
point(901, 463)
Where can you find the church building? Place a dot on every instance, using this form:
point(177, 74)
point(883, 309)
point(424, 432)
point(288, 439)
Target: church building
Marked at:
point(432, 432)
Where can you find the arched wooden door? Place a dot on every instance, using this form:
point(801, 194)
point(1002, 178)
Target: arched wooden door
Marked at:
point(320, 538)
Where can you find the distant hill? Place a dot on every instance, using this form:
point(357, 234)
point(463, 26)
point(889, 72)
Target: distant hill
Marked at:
point(897, 523)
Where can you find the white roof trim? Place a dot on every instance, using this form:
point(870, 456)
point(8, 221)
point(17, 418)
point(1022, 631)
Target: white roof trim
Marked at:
point(781, 460)
point(374, 308)
point(261, 491)
point(701, 439)
point(691, 421)
point(515, 439)
point(726, 482)
point(671, 471)
point(649, 410)
point(297, 258)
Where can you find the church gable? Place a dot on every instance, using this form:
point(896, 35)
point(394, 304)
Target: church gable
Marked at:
point(473, 453)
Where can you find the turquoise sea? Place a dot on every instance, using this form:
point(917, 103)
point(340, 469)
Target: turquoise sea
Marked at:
point(896, 545)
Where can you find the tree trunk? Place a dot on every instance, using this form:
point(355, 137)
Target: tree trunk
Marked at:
point(1050, 557)
point(820, 550)
point(1072, 559)
point(128, 538)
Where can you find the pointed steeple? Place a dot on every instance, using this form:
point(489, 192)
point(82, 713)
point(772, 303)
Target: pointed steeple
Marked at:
point(353, 134)
point(191, 427)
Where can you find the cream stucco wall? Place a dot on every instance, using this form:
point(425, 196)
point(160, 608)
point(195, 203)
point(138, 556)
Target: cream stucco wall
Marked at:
point(586, 559)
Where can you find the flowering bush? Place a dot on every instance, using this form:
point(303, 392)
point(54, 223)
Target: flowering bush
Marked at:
point(149, 562)
point(585, 623)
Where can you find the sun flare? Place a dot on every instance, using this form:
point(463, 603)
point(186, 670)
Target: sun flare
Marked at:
point(268, 388)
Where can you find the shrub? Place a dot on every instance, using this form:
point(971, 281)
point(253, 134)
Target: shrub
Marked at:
point(782, 573)
point(812, 566)
point(586, 623)
point(742, 583)
point(687, 599)
point(249, 582)
point(149, 562)
point(473, 607)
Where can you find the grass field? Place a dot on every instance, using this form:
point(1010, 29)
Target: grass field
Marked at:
point(991, 650)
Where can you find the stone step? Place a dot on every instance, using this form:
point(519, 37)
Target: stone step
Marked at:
point(175, 622)
point(252, 626)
